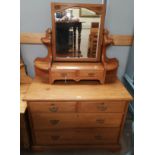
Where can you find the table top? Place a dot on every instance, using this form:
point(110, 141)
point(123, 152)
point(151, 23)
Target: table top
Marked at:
point(41, 91)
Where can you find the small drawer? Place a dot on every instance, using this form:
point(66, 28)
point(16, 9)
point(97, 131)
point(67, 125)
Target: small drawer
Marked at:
point(78, 136)
point(90, 74)
point(64, 74)
point(104, 106)
point(52, 107)
point(53, 121)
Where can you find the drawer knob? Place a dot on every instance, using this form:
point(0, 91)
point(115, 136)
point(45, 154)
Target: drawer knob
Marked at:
point(102, 107)
point(53, 109)
point(54, 122)
point(55, 137)
point(98, 137)
point(100, 120)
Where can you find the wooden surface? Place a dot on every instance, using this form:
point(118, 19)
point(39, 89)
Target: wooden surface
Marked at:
point(85, 114)
point(77, 71)
point(80, 66)
point(25, 82)
point(31, 38)
point(35, 38)
point(46, 92)
point(42, 65)
point(49, 121)
point(86, 107)
point(82, 136)
point(122, 40)
point(23, 104)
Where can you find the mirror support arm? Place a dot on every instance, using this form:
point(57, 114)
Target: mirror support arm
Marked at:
point(111, 64)
point(47, 41)
point(107, 39)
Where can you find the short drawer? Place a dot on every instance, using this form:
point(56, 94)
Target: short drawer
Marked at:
point(64, 74)
point(52, 121)
point(52, 107)
point(104, 106)
point(78, 136)
point(90, 74)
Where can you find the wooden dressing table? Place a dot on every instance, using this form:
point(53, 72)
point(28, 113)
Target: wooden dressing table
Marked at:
point(79, 114)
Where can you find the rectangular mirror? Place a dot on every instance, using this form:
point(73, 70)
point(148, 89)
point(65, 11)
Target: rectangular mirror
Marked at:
point(76, 37)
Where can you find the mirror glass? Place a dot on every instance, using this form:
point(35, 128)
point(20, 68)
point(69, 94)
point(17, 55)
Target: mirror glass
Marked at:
point(77, 33)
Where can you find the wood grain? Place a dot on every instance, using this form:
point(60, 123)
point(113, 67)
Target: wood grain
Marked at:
point(77, 71)
point(52, 107)
point(31, 38)
point(102, 107)
point(122, 40)
point(43, 91)
point(78, 136)
point(35, 38)
point(47, 121)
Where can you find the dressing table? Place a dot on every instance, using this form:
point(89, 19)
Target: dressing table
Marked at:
point(77, 101)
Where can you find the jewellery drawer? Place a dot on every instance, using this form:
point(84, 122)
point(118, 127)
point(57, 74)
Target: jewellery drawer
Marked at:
point(78, 136)
point(90, 74)
point(52, 121)
point(52, 107)
point(64, 74)
point(104, 106)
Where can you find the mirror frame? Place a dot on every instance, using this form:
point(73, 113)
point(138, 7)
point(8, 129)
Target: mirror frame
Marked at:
point(98, 8)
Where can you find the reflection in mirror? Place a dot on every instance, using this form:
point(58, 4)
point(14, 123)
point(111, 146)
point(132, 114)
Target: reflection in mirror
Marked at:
point(76, 35)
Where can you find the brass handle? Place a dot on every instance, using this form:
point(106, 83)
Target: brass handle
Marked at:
point(55, 137)
point(53, 109)
point(54, 122)
point(100, 120)
point(98, 137)
point(91, 74)
point(102, 107)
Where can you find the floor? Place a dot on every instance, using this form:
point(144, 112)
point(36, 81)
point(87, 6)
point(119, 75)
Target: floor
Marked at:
point(126, 142)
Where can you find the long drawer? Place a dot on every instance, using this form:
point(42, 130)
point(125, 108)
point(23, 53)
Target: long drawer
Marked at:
point(78, 136)
point(103, 106)
point(52, 107)
point(69, 120)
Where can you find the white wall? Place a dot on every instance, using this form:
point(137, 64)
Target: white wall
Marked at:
point(36, 17)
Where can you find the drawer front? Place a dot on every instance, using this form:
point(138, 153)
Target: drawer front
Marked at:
point(90, 74)
point(64, 74)
point(105, 106)
point(52, 107)
point(53, 121)
point(78, 136)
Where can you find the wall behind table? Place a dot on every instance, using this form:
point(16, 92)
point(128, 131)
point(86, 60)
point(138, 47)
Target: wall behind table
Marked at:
point(36, 17)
